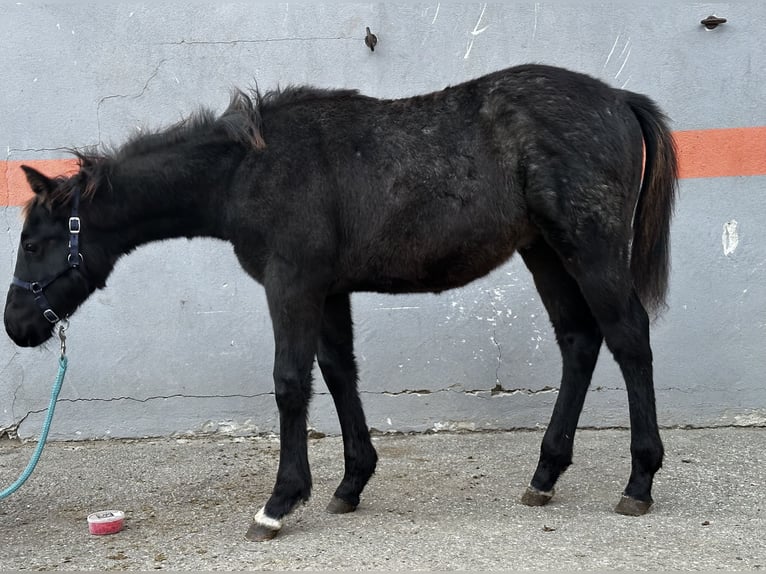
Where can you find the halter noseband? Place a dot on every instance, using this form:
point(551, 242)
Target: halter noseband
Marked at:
point(74, 260)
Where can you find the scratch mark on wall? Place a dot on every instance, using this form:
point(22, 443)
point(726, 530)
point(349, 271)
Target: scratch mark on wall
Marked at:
point(624, 63)
point(730, 237)
point(627, 45)
point(438, 5)
point(534, 28)
point(395, 308)
point(475, 32)
point(611, 52)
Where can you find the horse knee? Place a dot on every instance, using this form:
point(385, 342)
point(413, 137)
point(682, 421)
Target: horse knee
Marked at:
point(292, 391)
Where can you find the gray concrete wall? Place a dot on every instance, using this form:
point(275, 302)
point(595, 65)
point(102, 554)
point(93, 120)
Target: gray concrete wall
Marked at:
point(180, 341)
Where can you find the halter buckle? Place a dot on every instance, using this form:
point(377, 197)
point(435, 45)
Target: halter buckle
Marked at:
point(74, 225)
point(51, 316)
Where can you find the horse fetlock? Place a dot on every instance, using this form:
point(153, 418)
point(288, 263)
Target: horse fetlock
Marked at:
point(648, 459)
point(364, 467)
point(556, 458)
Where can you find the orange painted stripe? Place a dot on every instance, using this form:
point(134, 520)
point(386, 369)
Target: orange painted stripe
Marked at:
point(702, 153)
point(14, 189)
point(722, 152)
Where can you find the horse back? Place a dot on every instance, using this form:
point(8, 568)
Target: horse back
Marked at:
point(431, 192)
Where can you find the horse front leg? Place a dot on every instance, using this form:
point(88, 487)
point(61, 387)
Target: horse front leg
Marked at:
point(335, 356)
point(296, 312)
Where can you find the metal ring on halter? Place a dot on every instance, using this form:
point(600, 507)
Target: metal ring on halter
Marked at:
point(69, 260)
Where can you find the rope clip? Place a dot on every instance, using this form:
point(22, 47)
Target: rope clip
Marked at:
point(63, 326)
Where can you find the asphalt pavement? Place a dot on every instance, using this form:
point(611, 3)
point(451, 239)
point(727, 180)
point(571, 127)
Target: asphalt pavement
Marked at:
point(437, 502)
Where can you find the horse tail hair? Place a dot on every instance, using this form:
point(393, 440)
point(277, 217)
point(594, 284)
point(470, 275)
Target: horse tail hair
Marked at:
point(650, 252)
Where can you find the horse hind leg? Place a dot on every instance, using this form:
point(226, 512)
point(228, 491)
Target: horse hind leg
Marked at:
point(627, 336)
point(579, 339)
point(335, 356)
point(603, 276)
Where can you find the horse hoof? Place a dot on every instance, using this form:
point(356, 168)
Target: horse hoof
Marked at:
point(534, 497)
point(630, 506)
point(263, 527)
point(338, 506)
point(260, 533)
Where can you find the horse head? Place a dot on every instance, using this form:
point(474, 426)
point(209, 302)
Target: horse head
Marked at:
point(52, 277)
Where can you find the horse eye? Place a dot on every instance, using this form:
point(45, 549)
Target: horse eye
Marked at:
point(30, 247)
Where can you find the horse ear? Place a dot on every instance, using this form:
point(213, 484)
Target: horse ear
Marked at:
point(41, 184)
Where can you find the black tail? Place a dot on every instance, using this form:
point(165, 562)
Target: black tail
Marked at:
point(650, 256)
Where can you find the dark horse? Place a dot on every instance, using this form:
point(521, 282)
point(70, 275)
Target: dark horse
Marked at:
point(323, 193)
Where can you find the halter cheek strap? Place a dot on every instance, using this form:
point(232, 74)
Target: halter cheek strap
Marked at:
point(74, 261)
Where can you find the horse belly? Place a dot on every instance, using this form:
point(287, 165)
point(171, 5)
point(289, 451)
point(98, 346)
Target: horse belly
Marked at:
point(412, 267)
point(465, 264)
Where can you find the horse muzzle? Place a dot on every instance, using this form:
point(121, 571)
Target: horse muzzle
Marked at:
point(24, 323)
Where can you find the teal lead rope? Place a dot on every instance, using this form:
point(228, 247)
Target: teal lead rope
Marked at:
point(48, 417)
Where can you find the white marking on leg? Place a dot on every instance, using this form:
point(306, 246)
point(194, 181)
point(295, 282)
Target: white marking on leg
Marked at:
point(266, 521)
point(545, 493)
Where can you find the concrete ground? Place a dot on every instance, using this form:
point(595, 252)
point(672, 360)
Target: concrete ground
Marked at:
point(439, 501)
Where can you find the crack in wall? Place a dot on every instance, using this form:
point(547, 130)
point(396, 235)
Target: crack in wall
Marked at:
point(126, 96)
point(16, 425)
point(184, 42)
point(498, 390)
point(37, 149)
point(16, 393)
point(6, 210)
point(8, 175)
point(155, 398)
point(499, 354)
point(11, 431)
point(495, 391)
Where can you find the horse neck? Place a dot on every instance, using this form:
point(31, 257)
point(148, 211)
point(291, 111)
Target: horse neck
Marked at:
point(163, 197)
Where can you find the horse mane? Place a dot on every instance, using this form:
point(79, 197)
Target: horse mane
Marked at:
point(242, 122)
point(299, 94)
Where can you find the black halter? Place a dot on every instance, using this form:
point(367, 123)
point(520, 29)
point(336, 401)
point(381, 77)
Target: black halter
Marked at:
point(74, 260)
